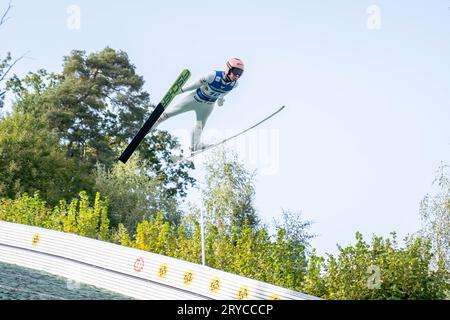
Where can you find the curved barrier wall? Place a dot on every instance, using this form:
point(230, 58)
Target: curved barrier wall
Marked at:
point(131, 272)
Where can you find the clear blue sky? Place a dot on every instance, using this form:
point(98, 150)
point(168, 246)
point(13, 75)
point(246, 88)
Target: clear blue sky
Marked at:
point(367, 117)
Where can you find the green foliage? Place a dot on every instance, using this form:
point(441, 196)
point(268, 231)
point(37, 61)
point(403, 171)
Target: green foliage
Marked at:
point(435, 215)
point(122, 237)
point(379, 270)
point(78, 217)
point(32, 91)
point(93, 108)
point(229, 192)
point(94, 105)
point(290, 260)
point(157, 154)
point(5, 65)
point(32, 160)
point(24, 210)
point(314, 282)
point(296, 228)
point(194, 247)
point(217, 248)
point(155, 235)
point(132, 195)
point(254, 254)
point(403, 273)
point(188, 239)
point(89, 217)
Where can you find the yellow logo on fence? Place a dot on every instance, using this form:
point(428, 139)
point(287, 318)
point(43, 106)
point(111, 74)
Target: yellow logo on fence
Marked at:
point(214, 286)
point(243, 293)
point(188, 277)
point(35, 240)
point(163, 270)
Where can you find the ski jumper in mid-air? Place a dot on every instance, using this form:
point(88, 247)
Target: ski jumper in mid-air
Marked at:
point(205, 92)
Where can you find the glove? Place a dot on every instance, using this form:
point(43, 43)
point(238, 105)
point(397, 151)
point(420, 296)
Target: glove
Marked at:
point(220, 101)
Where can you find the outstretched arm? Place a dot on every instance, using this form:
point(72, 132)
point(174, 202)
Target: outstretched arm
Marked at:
point(197, 84)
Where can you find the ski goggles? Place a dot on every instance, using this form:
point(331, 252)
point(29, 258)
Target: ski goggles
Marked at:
point(237, 72)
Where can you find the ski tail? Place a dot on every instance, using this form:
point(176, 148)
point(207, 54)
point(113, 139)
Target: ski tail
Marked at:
point(154, 116)
point(234, 136)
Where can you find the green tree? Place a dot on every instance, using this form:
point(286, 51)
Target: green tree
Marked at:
point(314, 282)
point(32, 160)
point(435, 215)
point(219, 250)
point(156, 235)
point(122, 237)
point(380, 270)
point(244, 261)
point(296, 229)
point(133, 196)
point(189, 245)
point(32, 91)
point(24, 210)
point(5, 67)
point(229, 192)
point(158, 153)
point(290, 261)
point(95, 106)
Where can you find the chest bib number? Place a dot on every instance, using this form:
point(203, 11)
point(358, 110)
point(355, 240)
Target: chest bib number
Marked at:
point(210, 93)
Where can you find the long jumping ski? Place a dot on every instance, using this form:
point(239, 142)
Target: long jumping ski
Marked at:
point(193, 154)
point(154, 116)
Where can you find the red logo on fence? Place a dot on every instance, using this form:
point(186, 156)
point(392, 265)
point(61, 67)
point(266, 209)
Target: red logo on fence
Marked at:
point(139, 264)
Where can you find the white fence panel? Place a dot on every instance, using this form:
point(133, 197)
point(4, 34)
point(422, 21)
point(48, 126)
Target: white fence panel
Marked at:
point(135, 273)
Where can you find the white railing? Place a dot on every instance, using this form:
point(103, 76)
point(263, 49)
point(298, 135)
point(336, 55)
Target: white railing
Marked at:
point(131, 272)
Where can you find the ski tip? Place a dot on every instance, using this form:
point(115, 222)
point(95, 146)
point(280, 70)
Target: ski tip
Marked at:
point(186, 72)
point(281, 108)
